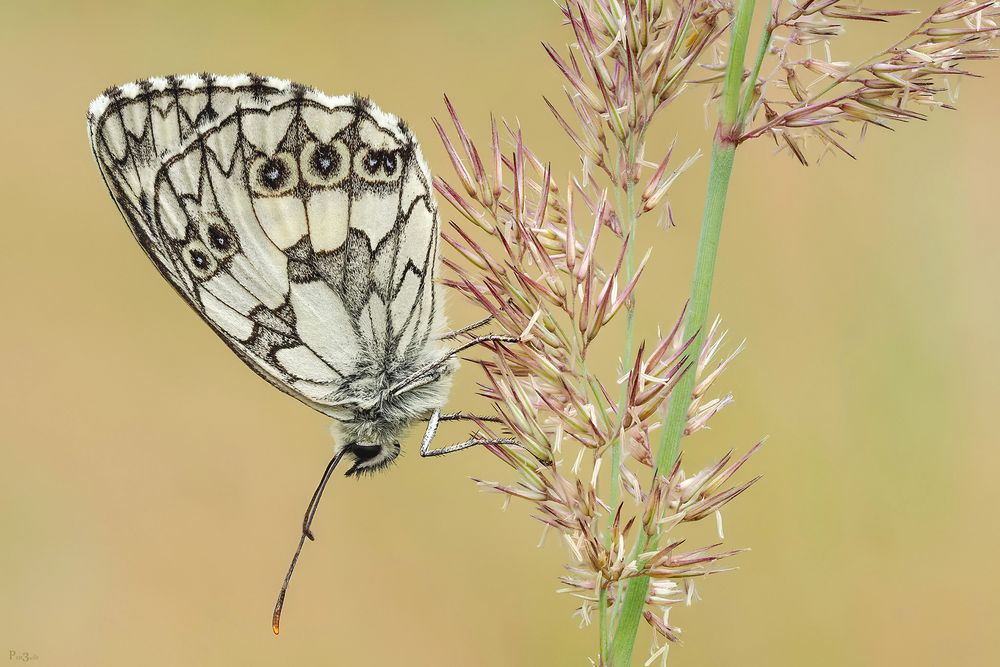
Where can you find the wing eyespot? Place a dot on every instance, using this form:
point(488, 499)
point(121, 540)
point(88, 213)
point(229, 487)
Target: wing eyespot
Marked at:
point(216, 234)
point(378, 166)
point(325, 165)
point(273, 176)
point(199, 260)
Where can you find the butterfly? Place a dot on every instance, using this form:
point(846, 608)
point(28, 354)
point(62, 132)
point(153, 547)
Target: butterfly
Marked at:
point(303, 229)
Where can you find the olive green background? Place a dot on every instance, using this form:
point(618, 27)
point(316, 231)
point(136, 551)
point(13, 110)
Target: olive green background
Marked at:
point(151, 486)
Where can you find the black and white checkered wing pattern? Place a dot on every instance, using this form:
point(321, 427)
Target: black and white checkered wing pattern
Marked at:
point(301, 227)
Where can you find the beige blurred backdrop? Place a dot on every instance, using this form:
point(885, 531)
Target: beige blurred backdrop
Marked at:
point(151, 487)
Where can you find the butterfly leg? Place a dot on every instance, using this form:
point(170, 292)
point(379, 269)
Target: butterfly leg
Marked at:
point(464, 330)
point(434, 371)
point(432, 424)
point(471, 442)
point(466, 417)
point(479, 340)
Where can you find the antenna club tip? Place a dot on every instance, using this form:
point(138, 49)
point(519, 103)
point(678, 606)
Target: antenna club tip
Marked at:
point(274, 626)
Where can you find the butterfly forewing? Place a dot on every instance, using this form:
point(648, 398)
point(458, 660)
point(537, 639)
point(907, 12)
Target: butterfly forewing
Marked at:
point(300, 226)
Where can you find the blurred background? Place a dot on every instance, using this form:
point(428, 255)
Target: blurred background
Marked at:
point(151, 487)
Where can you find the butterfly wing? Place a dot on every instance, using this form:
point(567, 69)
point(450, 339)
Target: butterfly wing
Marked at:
point(301, 227)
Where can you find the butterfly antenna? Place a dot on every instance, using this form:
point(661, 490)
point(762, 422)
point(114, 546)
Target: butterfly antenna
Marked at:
point(306, 532)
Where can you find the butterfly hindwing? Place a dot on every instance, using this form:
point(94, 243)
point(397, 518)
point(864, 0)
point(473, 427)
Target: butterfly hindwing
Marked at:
point(301, 227)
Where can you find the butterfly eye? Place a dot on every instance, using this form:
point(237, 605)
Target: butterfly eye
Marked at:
point(275, 175)
point(325, 165)
point(377, 166)
point(199, 260)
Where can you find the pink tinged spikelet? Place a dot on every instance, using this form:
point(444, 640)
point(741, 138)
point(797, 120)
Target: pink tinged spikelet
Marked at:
point(911, 72)
point(533, 255)
point(457, 163)
point(460, 204)
point(482, 188)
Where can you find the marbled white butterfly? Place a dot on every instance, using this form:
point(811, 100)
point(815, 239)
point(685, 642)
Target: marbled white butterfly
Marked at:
point(303, 229)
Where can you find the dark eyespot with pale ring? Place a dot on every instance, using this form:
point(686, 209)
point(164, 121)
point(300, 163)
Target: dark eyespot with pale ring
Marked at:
point(325, 165)
point(378, 165)
point(217, 236)
point(273, 176)
point(199, 260)
point(389, 163)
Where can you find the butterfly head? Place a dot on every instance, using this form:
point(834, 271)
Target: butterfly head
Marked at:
point(369, 458)
point(372, 441)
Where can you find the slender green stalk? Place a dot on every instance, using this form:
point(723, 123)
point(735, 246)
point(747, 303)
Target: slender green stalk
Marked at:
point(629, 226)
point(680, 397)
point(629, 220)
point(602, 615)
point(723, 154)
point(730, 107)
point(762, 48)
